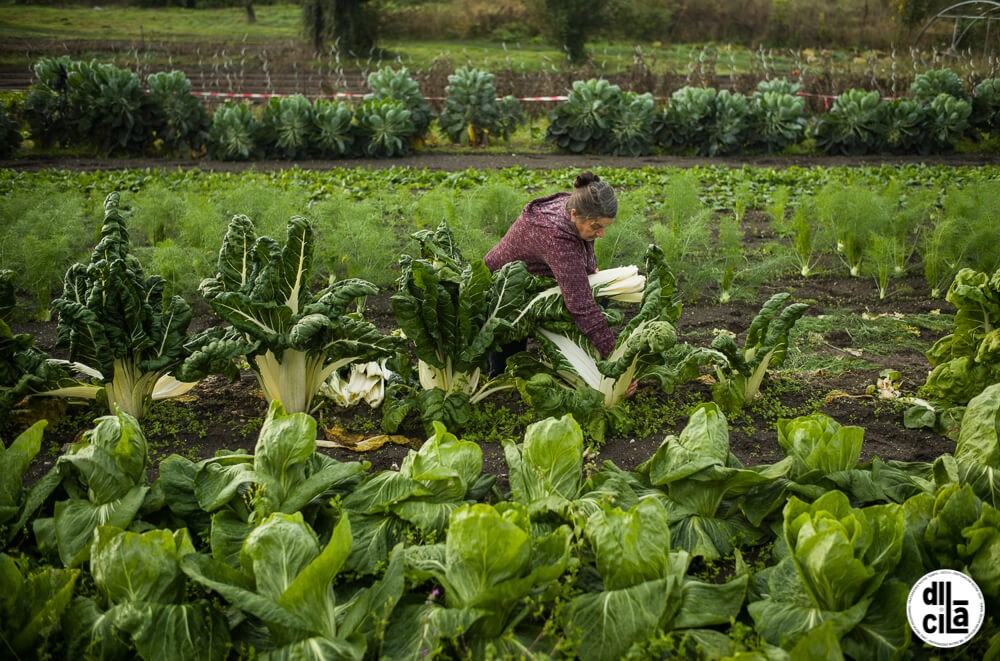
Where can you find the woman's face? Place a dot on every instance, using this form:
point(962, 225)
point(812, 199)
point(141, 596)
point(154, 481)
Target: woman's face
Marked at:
point(590, 228)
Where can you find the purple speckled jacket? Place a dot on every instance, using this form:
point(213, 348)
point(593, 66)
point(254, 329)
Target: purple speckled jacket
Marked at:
point(544, 238)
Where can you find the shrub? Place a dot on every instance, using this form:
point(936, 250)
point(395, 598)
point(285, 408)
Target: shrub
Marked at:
point(235, 134)
point(288, 127)
point(710, 121)
point(110, 107)
point(179, 118)
point(986, 106)
point(947, 121)
point(47, 108)
point(394, 85)
point(472, 111)
point(335, 132)
point(386, 128)
point(855, 125)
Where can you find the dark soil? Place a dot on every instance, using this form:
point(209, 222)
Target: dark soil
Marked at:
point(218, 415)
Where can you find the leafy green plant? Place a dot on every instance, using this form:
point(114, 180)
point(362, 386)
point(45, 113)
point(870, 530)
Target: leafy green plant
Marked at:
point(47, 110)
point(777, 120)
point(179, 118)
point(928, 85)
point(236, 134)
point(740, 375)
point(34, 600)
point(490, 562)
point(103, 477)
point(582, 123)
point(806, 242)
point(335, 133)
point(947, 121)
point(853, 215)
point(293, 338)
point(288, 126)
point(701, 481)
point(453, 312)
point(632, 125)
point(388, 83)
point(856, 124)
point(837, 570)
point(986, 106)
point(967, 360)
point(472, 113)
point(907, 123)
point(285, 578)
point(571, 376)
point(417, 500)
point(385, 128)
point(110, 107)
point(710, 121)
point(118, 327)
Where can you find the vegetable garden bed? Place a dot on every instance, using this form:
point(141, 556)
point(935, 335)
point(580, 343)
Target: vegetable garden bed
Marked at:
point(851, 357)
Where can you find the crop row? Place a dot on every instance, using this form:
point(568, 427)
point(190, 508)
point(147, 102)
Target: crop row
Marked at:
point(108, 108)
point(877, 223)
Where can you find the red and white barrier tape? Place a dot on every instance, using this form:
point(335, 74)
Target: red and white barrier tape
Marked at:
point(345, 95)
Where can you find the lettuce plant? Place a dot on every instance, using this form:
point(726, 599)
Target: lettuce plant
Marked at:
point(293, 338)
point(417, 500)
point(837, 568)
point(700, 481)
point(285, 579)
point(32, 604)
point(741, 372)
point(104, 480)
point(643, 585)
point(142, 600)
point(116, 323)
point(489, 564)
point(967, 360)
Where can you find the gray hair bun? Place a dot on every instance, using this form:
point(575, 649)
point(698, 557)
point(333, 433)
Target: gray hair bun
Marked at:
point(592, 198)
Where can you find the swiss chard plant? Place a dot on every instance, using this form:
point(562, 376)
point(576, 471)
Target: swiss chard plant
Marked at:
point(32, 604)
point(294, 338)
point(454, 312)
point(118, 326)
point(740, 375)
point(571, 376)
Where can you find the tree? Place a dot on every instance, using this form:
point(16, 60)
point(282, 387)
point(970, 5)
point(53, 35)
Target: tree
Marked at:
point(570, 22)
point(353, 24)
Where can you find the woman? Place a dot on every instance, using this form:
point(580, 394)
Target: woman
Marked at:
point(554, 236)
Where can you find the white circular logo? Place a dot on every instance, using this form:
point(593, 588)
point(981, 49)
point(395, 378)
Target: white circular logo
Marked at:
point(945, 608)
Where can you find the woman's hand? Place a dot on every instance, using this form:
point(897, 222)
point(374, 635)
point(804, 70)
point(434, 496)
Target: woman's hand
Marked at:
point(632, 387)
